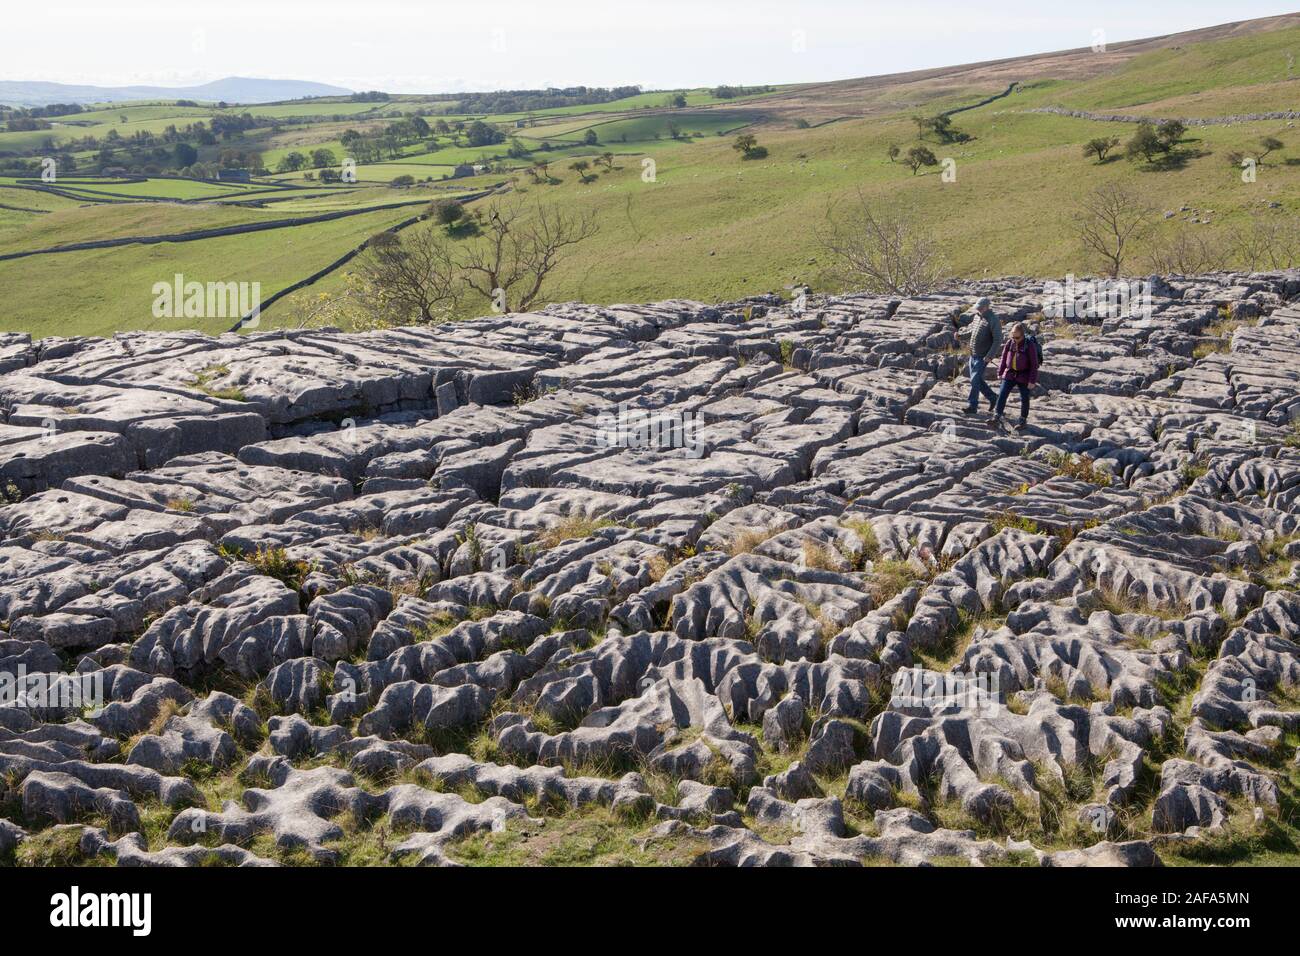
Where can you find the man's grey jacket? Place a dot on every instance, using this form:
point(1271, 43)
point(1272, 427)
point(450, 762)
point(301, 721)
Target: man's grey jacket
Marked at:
point(985, 334)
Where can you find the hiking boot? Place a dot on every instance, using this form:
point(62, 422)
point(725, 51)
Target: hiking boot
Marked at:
point(969, 411)
point(1021, 425)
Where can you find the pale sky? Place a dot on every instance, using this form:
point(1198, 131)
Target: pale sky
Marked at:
point(402, 46)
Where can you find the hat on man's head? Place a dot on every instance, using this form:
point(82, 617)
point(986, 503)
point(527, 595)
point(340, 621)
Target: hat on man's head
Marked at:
point(982, 302)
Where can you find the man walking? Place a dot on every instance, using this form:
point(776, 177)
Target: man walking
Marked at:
point(985, 342)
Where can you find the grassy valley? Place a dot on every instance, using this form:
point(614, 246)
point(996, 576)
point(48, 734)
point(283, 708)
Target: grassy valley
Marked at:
point(679, 212)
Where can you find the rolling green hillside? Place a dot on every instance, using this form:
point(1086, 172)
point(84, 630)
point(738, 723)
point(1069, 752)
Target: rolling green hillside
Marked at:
point(101, 291)
point(1179, 71)
point(710, 225)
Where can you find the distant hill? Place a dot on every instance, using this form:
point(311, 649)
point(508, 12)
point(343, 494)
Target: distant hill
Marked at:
point(232, 89)
point(895, 92)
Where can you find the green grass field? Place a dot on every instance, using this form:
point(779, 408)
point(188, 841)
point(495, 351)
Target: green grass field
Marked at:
point(1159, 75)
point(127, 219)
point(78, 126)
point(33, 199)
point(102, 291)
point(656, 126)
point(166, 189)
point(309, 108)
point(711, 225)
point(359, 197)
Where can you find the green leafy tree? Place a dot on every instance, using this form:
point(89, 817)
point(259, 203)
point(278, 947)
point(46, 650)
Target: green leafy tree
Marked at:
point(1267, 144)
point(1100, 146)
point(580, 167)
point(917, 157)
point(941, 126)
point(292, 163)
point(480, 133)
point(446, 212)
point(1169, 133)
point(1145, 144)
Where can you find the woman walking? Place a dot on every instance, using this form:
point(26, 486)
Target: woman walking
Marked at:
point(1017, 369)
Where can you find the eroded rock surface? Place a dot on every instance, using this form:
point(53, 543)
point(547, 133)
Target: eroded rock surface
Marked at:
point(742, 577)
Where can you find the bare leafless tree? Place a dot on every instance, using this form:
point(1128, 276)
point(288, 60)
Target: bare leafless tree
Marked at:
point(412, 276)
point(350, 308)
point(1189, 252)
point(881, 247)
point(519, 250)
point(1111, 220)
point(1267, 242)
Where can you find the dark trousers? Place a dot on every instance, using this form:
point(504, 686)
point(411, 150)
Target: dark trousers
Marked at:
point(1007, 386)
